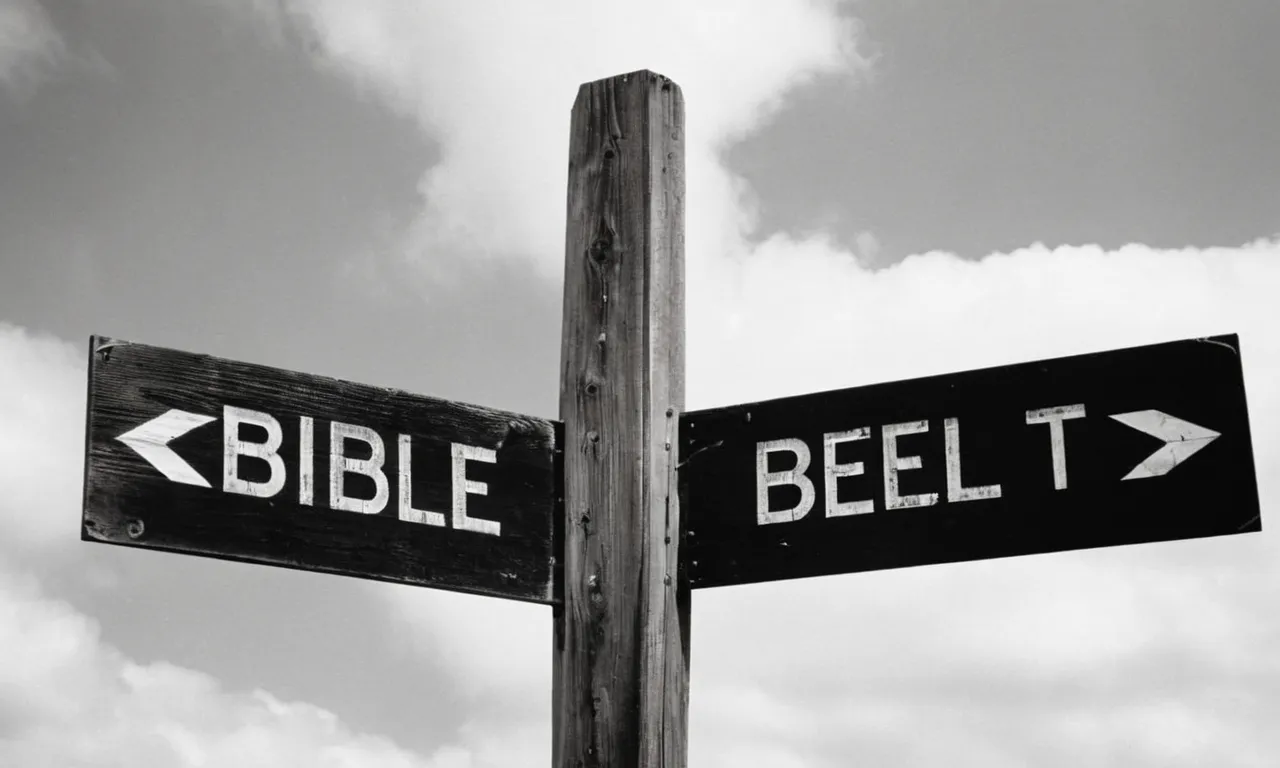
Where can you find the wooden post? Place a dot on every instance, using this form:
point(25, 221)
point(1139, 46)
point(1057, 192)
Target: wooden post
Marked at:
point(621, 672)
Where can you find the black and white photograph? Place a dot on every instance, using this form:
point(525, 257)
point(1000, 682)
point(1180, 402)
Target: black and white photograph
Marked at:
point(662, 384)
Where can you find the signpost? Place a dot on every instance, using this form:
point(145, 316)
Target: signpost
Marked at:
point(621, 658)
point(194, 454)
point(1122, 447)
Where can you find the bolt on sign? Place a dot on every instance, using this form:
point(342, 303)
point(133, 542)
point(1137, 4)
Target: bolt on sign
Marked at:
point(195, 454)
point(1122, 447)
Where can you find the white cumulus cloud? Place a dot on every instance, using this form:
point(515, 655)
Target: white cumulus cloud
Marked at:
point(493, 82)
point(69, 699)
point(42, 398)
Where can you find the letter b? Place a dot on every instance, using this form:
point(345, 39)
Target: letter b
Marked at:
point(795, 476)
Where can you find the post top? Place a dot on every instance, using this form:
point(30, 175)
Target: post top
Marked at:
point(635, 73)
point(656, 76)
point(605, 84)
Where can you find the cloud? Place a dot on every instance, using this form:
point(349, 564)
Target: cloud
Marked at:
point(493, 82)
point(936, 312)
point(29, 44)
point(42, 399)
point(67, 699)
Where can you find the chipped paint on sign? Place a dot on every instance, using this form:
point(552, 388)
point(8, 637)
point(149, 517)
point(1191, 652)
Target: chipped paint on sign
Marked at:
point(1057, 438)
point(407, 511)
point(833, 472)
point(476, 497)
point(462, 486)
point(1182, 440)
point(234, 448)
point(895, 463)
point(955, 488)
point(151, 439)
point(340, 464)
point(151, 442)
point(306, 460)
point(794, 476)
point(921, 494)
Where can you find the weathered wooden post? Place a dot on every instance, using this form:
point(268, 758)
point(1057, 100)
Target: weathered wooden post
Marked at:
point(621, 667)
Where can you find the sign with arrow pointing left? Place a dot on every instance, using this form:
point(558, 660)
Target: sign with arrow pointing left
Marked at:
point(1121, 447)
point(199, 455)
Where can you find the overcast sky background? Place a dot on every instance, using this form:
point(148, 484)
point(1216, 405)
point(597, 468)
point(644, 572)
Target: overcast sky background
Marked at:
point(876, 190)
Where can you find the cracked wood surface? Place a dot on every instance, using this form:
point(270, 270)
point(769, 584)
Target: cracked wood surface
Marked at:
point(622, 638)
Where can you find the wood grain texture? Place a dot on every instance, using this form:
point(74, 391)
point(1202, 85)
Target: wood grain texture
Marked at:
point(1002, 443)
point(622, 638)
point(128, 501)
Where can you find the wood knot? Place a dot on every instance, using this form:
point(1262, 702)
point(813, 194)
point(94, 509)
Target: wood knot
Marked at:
point(592, 382)
point(600, 250)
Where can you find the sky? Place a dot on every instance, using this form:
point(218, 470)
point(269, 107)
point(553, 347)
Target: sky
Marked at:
point(876, 191)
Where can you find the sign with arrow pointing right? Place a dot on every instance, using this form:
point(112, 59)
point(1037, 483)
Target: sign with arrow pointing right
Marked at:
point(1121, 447)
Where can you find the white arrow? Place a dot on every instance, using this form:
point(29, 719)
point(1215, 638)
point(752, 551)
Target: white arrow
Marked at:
point(151, 441)
point(1181, 440)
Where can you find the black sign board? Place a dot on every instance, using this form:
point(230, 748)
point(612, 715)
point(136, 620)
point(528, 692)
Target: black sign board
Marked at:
point(1122, 447)
point(194, 454)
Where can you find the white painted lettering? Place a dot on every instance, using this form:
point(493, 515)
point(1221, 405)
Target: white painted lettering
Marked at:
point(462, 486)
point(893, 464)
point(233, 448)
point(955, 489)
point(1057, 440)
point(306, 461)
point(833, 471)
point(340, 464)
point(795, 476)
point(407, 512)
